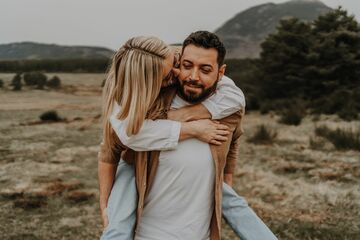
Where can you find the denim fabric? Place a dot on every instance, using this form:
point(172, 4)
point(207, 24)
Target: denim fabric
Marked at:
point(122, 210)
point(122, 206)
point(241, 218)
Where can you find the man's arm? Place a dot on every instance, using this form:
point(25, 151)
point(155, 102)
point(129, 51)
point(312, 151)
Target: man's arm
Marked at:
point(233, 154)
point(107, 163)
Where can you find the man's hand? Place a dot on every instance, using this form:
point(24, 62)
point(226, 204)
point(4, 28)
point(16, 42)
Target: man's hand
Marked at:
point(105, 218)
point(228, 179)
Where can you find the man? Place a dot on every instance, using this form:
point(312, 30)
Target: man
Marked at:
point(186, 183)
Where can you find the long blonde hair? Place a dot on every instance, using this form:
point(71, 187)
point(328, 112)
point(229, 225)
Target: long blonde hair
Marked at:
point(133, 81)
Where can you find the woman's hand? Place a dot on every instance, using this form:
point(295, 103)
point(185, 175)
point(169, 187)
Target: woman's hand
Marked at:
point(206, 130)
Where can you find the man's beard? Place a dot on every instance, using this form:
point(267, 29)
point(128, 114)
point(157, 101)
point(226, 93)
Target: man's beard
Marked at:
point(195, 97)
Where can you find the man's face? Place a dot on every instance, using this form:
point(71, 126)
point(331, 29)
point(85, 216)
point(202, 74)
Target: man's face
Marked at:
point(199, 73)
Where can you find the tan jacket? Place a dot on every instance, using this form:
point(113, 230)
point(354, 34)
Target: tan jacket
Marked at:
point(146, 163)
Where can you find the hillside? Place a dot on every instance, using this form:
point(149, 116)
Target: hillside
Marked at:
point(243, 33)
point(31, 50)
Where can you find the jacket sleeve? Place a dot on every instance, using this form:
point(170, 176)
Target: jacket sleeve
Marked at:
point(233, 154)
point(153, 135)
point(111, 155)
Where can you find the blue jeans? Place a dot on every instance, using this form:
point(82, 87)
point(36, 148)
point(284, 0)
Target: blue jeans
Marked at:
point(122, 207)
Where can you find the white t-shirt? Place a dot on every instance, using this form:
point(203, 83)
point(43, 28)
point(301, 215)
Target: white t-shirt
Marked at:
point(180, 203)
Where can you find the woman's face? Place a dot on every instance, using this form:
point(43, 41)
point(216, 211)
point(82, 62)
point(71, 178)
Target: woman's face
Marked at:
point(167, 70)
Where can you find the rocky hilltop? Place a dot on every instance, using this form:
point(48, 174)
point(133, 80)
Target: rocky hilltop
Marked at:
point(244, 33)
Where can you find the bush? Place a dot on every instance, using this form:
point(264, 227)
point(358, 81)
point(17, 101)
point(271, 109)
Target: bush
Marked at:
point(341, 138)
point(292, 116)
point(293, 113)
point(1, 83)
point(266, 107)
point(343, 102)
point(37, 79)
point(348, 113)
point(263, 135)
point(50, 116)
point(54, 82)
point(29, 79)
point(16, 82)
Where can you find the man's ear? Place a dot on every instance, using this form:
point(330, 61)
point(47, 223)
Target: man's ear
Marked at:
point(222, 71)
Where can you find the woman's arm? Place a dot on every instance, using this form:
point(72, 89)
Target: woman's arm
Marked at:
point(106, 175)
point(165, 134)
point(227, 100)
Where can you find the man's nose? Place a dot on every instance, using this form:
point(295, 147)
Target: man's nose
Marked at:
point(195, 74)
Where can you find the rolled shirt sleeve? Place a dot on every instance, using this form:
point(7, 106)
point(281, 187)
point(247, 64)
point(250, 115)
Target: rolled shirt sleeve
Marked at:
point(227, 100)
point(153, 135)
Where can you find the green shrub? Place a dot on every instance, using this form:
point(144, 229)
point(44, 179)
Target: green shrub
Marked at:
point(266, 107)
point(1, 83)
point(292, 116)
point(16, 82)
point(342, 139)
point(54, 82)
point(50, 116)
point(343, 102)
point(29, 79)
point(348, 113)
point(36, 79)
point(263, 135)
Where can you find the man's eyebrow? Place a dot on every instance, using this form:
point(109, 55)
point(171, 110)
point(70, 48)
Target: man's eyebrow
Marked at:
point(207, 65)
point(188, 61)
point(202, 65)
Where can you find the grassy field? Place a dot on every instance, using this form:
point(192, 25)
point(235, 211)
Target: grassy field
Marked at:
point(48, 172)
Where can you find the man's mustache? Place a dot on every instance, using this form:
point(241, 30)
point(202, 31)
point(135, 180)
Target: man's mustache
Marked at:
point(193, 83)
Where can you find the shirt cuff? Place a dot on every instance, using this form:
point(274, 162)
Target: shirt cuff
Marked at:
point(174, 135)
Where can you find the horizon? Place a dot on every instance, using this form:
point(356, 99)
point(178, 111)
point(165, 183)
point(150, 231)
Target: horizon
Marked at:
point(75, 32)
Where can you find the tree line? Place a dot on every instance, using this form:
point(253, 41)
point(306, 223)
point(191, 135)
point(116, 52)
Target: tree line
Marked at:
point(305, 66)
point(51, 65)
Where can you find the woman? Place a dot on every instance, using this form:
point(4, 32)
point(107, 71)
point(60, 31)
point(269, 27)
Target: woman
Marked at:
point(139, 69)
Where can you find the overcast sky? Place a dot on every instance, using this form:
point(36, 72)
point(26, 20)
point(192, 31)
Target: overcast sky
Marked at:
point(110, 23)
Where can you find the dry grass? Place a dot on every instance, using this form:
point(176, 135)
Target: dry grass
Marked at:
point(343, 139)
point(48, 172)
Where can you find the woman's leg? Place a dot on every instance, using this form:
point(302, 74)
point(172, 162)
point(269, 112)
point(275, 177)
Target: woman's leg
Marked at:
point(121, 207)
point(241, 218)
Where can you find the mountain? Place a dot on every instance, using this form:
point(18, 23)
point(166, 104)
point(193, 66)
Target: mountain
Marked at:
point(243, 34)
point(31, 50)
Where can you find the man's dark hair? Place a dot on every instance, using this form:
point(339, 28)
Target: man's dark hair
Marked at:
point(206, 40)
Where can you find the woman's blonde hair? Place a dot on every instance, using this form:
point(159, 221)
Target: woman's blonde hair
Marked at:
point(133, 81)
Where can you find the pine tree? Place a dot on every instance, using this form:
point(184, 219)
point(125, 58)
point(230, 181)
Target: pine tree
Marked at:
point(283, 58)
point(335, 57)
